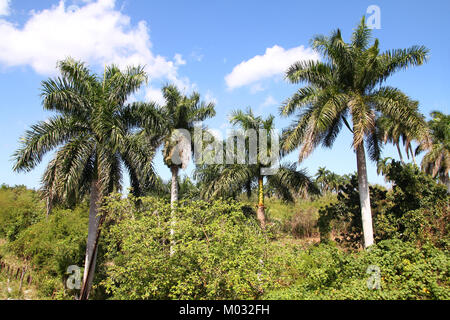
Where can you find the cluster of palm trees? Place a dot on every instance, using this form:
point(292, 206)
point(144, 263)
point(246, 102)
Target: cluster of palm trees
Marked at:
point(225, 180)
point(329, 181)
point(97, 132)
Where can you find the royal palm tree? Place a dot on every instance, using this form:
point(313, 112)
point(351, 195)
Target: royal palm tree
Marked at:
point(436, 161)
point(94, 132)
point(230, 180)
point(178, 116)
point(180, 112)
point(349, 82)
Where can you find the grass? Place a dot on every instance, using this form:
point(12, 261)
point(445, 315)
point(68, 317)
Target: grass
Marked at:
point(299, 219)
point(9, 286)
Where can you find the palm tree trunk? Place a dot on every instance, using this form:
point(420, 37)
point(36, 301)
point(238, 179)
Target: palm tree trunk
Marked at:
point(400, 153)
point(412, 154)
point(173, 201)
point(364, 196)
point(91, 247)
point(447, 183)
point(260, 213)
point(49, 206)
point(248, 187)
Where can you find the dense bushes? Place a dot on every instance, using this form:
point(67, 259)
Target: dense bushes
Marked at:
point(47, 245)
point(19, 209)
point(219, 253)
point(52, 245)
point(416, 209)
point(326, 272)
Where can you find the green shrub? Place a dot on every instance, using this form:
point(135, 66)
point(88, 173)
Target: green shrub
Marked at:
point(219, 253)
point(53, 244)
point(406, 272)
point(415, 209)
point(19, 208)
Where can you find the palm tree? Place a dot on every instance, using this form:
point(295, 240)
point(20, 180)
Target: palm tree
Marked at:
point(230, 180)
point(383, 166)
point(399, 133)
point(322, 178)
point(334, 182)
point(94, 133)
point(180, 112)
point(349, 82)
point(436, 161)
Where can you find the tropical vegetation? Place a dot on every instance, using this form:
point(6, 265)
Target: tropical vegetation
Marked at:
point(238, 228)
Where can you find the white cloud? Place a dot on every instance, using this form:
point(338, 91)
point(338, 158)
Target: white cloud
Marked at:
point(275, 61)
point(270, 101)
point(155, 95)
point(4, 7)
point(179, 59)
point(209, 97)
point(95, 32)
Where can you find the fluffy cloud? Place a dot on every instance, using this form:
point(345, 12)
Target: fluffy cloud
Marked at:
point(179, 59)
point(270, 101)
point(209, 97)
point(95, 32)
point(275, 61)
point(4, 7)
point(155, 95)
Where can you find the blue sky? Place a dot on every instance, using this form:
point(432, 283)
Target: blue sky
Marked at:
point(232, 52)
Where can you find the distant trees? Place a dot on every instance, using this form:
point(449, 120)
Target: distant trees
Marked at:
point(329, 181)
point(436, 161)
point(349, 82)
point(233, 179)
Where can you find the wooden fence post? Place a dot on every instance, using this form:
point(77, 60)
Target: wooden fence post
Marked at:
point(24, 269)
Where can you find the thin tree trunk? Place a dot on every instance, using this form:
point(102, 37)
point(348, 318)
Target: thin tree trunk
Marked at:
point(49, 206)
point(447, 183)
point(412, 155)
point(91, 247)
point(364, 196)
point(260, 213)
point(248, 187)
point(173, 201)
point(400, 153)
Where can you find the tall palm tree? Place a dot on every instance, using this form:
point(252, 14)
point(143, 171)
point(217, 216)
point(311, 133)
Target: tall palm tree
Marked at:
point(436, 161)
point(180, 112)
point(349, 83)
point(225, 180)
point(94, 133)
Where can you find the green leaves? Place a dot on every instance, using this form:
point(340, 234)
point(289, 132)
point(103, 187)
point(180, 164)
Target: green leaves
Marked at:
point(220, 253)
point(347, 83)
point(180, 112)
point(437, 160)
point(94, 131)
